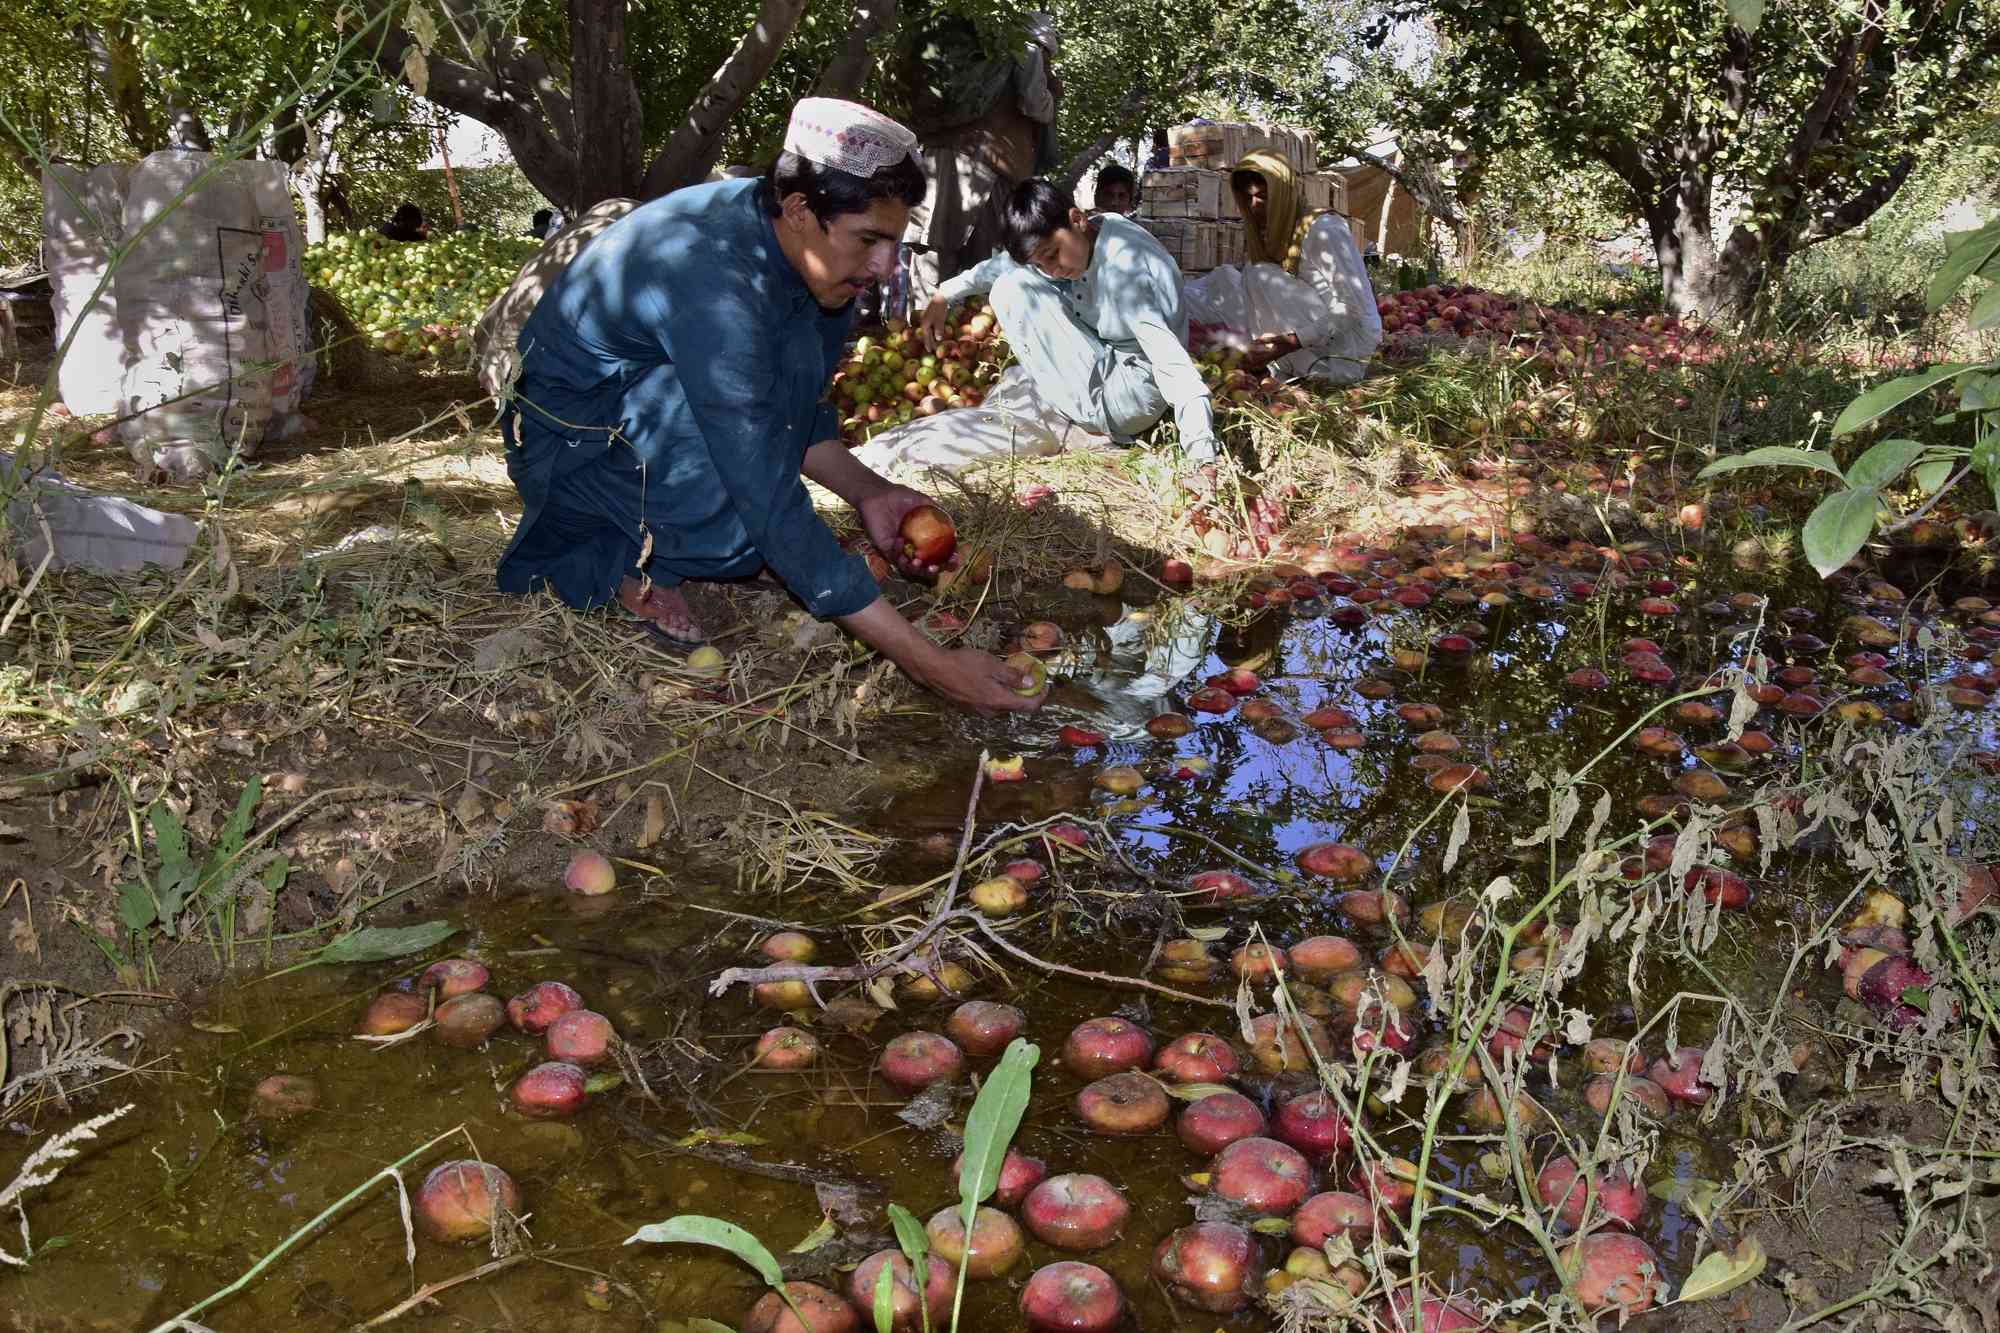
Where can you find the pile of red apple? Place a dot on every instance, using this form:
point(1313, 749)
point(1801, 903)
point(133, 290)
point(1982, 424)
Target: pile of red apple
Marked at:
point(892, 378)
point(1536, 332)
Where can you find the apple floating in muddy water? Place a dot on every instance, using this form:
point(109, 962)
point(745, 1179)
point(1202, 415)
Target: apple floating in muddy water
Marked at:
point(1196, 1057)
point(1336, 861)
point(984, 1029)
point(550, 1091)
point(1212, 1123)
point(928, 536)
point(1100, 1046)
point(580, 1037)
point(1312, 1123)
point(1210, 1266)
point(1168, 726)
point(824, 1312)
point(1638, 1091)
point(1619, 1199)
point(996, 1244)
point(1334, 1213)
point(1123, 1104)
point(282, 1096)
point(1075, 1212)
point(540, 1005)
point(466, 1021)
point(1219, 886)
point(914, 1061)
point(1262, 1176)
point(786, 1050)
point(908, 1307)
point(1003, 895)
point(452, 977)
point(789, 946)
point(459, 1201)
point(1019, 1174)
point(391, 1013)
point(1613, 1270)
point(1679, 1075)
point(1072, 1297)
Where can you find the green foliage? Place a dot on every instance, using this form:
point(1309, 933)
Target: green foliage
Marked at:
point(1844, 521)
point(178, 884)
point(1691, 103)
point(694, 1229)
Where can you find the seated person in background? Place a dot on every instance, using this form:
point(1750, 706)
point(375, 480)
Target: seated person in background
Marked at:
point(407, 225)
point(539, 227)
point(1093, 309)
point(1334, 342)
point(1117, 189)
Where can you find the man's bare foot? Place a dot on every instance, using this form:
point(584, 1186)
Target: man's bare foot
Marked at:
point(666, 608)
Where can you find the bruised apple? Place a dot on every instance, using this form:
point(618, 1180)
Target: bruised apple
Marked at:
point(459, 1201)
point(928, 536)
point(1211, 1266)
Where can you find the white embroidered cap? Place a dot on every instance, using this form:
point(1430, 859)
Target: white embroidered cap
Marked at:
point(847, 136)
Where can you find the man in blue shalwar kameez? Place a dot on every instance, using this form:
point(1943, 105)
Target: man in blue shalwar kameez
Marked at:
point(670, 404)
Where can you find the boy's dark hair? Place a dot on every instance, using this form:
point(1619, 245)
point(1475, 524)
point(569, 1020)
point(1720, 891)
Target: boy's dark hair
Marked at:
point(408, 215)
point(1117, 173)
point(543, 216)
point(831, 192)
point(1036, 210)
point(1243, 178)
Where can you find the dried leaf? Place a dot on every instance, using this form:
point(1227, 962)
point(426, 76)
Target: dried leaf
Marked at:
point(1721, 1273)
point(656, 822)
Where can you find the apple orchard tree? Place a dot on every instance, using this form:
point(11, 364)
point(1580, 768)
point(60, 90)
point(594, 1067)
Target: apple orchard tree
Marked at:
point(1742, 131)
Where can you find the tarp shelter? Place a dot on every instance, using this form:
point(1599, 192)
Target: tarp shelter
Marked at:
point(1382, 213)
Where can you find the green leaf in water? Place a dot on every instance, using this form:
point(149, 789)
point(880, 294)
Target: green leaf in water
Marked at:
point(1917, 999)
point(989, 1127)
point(378, 944)
point(694, 1229)
point(1272, 1226)
point(885, 1299)
point(911, 1237)
point(604, 1080)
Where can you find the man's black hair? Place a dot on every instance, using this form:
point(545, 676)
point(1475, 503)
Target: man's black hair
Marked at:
point(1036, 210)
point(542, 216)
point(408, 215)
point(831, 192)
point(1242, 178)
point(1117, 173)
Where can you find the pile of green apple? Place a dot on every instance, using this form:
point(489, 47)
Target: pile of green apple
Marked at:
point(890, 377)
point(418, 299)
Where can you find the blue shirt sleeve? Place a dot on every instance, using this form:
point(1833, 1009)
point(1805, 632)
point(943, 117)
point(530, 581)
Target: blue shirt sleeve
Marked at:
point(726, 351)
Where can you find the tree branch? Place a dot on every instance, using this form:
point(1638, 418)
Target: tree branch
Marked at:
point(855, 61)
point(547, 161)
point(1844, 217)
point(697, 141)
point(1131, 110)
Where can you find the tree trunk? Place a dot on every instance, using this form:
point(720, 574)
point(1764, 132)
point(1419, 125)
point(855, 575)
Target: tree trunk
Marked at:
point(855, 61)
point(610, 156)
point(117, 66)
point(1700, 280)
point(697, 141)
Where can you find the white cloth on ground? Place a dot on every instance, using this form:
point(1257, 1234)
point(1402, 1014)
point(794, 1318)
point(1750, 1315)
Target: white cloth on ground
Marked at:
point(1330, 305)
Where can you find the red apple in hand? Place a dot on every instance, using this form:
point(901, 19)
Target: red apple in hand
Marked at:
point(928, 536)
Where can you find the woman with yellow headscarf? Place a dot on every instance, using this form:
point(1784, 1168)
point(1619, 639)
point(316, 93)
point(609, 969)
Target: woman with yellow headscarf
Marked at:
point(1312, 307)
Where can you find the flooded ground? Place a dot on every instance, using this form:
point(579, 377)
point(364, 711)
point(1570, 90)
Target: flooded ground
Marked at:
point(192, 1188)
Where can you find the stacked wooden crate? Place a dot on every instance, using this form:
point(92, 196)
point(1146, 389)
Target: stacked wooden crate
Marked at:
point(1189, 205)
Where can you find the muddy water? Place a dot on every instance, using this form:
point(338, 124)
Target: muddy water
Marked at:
point(192, 1188)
